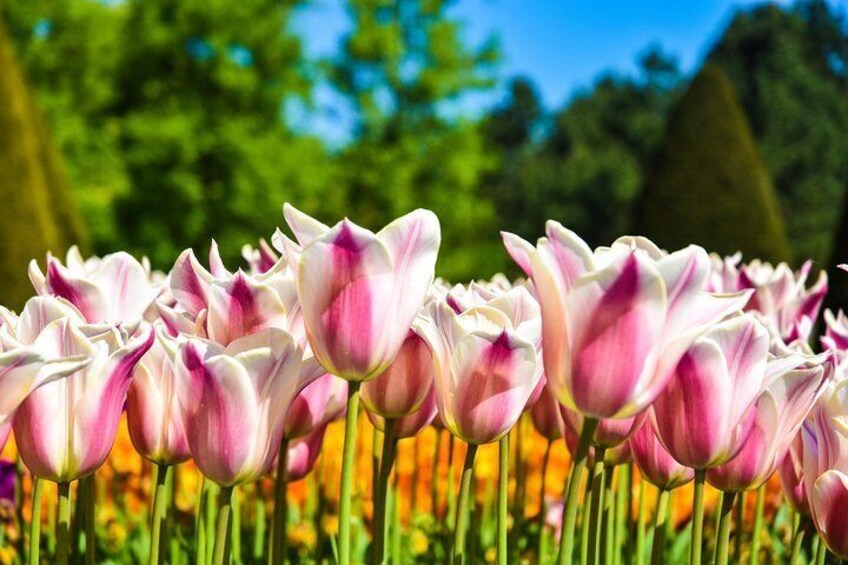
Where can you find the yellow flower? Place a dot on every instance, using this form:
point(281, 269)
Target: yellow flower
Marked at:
point(331, 525)
point(420, 543)
point(7, 555)
point(302, 535)
point(116, 534)
point(491, 555)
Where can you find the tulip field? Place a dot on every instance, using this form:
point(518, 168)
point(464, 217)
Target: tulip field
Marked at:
point(332, 401)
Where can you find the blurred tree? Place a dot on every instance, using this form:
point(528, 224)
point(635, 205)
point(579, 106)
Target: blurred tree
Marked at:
point(582, 166)
point(708, 184)
point(38, 214)
point(202, 86)
point(70, 51)
point(406, 73)
point(789, 66)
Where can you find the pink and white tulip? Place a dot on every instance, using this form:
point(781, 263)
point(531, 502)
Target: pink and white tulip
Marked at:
point(411, 424)
point(27, 360)
point(779, 411)
point(66, 428)
point(546, 415)
point(703, 416)
point(617, 320)
point(792, 476)
point(236, 400)
point(302, 454)
point(485, 370)
point(779, 294)
point(402, 388)
point(154, 416)
point(114, 289)
point(322, 401)
point(654, 463)
point(360, 291)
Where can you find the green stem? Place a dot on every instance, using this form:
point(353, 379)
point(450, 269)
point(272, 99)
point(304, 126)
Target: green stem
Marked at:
point(541, 518)
point(597, 505)
point(35, 524)
point(451, 494)
point(212, 492)
point(395, 528)
point(503, 498)
point(758, 525)
point(259, 525)
point(797, 540)
point(739, 531)
point(697, 518)
point(88, 503)
point(77, 517)
point(200, 524)
point(821, 552)
point(387, 461)
point(221, 555)
point(236, 527)
point(622, 511)
point(279, 519)
point(157, 515)
point(63, 527)
point(640, 526)
point(348, 464)
point(584, 521)
point(569, 517)
point(723, 535)
point(660, 515)
point(463, 506)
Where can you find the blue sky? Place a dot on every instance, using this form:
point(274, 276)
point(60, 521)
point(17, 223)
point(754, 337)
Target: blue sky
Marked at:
point(562, 45)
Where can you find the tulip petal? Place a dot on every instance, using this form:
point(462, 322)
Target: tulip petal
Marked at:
point(304, 227)
point(240, 306)
point(190, 283)
point(829, 500)
point(520, 250)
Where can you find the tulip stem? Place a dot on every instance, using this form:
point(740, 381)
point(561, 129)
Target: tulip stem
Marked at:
point(63, 528)
point(541, 518)
point(758, 525)
point(640, 525)
point(348, 462)
point(622, 511)
point(697, 518)
point(200, 524)
point(281, 511)
point(157, 515)
point(221, 554)
point(434, 476)
point(387, 461)
point(798, 539)
point(463, 506)
point(739, 533)
point(659, 528)
point(572, 490)
point(723, 535)
point(821, 552)
point(88, 505)
point(503, 498)
point(597, 505)
point(451, 494)
point(35, 523)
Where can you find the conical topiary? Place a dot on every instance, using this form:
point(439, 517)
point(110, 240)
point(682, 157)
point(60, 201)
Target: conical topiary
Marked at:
point(36, 215)
point(708, 184)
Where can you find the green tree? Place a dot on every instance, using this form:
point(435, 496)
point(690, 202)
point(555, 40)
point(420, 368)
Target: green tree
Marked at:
point(406, 72)
point(583, 165)
point(789, 66)
point(708, 184)
point(202, 87)
point(38, 214)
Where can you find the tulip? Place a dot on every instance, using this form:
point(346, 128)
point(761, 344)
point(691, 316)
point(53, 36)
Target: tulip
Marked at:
point(615, 322)
point(779, 293)
point(654, 463)
point(825, 438)
point(322, 401)
point(262, 259)
point(226, 306)
point(359, 293)
point(65, 429)
point(779, 411)
point(402, 388)
point(485, 372)
point(114, 289)
point(154, 417)
point(715, 383)
point(547, 416)
point(302, 454)
point(792, 476)
point(236, 400)
point(27, 356)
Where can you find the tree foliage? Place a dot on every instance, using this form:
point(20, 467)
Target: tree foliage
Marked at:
point(708, 184)
point(38, 214)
